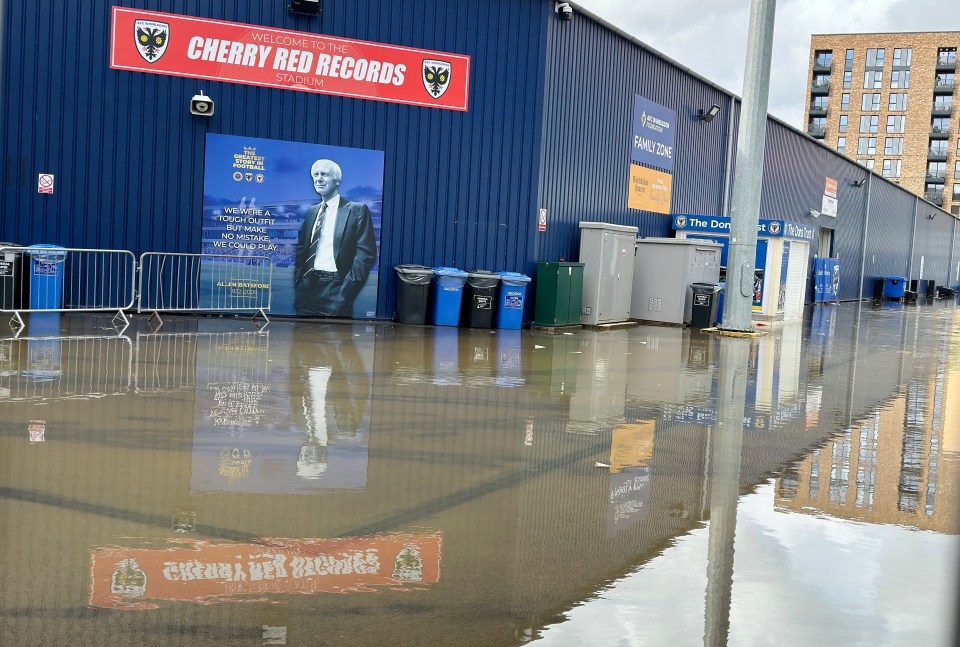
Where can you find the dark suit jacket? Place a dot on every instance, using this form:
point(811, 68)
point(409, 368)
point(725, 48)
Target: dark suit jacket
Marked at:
point(354, 246)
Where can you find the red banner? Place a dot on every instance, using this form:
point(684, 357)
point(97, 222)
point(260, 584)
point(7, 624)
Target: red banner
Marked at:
point(207, 573)
point(162, 43)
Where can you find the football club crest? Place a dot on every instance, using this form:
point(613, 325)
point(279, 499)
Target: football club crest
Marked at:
point(152, 38)
point(436, 77)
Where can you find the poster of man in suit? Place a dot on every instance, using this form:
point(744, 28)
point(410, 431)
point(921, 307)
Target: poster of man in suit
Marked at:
point(314, 210)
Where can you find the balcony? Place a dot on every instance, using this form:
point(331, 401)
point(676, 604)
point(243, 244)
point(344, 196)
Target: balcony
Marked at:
point(818, 132)
point(946, 63)
point(939, 132)
point(823, 87)
point(942, 110)
point(937, 155)
point(818, 111)
point(936, 177)
point(934, 197)
point(825, 65)
point(943, 86)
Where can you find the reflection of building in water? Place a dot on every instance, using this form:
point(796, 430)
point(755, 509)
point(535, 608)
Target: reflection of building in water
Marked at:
point(898, 466)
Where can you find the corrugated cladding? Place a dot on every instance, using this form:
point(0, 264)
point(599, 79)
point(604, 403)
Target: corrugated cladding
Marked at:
point(459, 188)
point(549, 126)
point(932, 243)
point(795, 169)
point(889, 233)
point(592, 78)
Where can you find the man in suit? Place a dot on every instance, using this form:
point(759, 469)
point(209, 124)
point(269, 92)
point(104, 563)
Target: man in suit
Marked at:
point(336, 250)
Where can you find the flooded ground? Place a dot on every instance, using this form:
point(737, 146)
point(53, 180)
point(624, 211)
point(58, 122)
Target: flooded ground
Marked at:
point(333, 484)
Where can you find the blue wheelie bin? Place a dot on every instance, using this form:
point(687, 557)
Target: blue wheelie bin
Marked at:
point(895, 287)
point(447, 295)
point(513, 291)
point(46, 276)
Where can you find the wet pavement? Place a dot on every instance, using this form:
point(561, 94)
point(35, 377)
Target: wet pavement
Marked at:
point(336, 484)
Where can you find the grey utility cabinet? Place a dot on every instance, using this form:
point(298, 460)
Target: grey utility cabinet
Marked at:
point(662, 274)
point(606, 252)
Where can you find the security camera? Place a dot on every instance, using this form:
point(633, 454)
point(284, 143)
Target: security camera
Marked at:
point(564, 10)
point(201, 105)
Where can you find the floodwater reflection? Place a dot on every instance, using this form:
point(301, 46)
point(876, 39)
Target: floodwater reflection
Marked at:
point(374, 484)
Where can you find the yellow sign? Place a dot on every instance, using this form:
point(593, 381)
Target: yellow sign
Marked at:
point(649, 190)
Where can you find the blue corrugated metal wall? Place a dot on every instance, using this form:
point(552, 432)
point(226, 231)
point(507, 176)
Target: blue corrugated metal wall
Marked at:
point(592, 77)
point(128, 157)
point(794, 173)
point(549, 126)
point(889, 233)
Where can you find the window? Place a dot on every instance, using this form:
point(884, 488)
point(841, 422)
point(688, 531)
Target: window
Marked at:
point(820, 102)
point(848, 61)
point(871, 101)
point(843, 124)
point(873, 79)
point(845, 101)
point(870, 123)
point(940, 125)
point(895, 123)
point(891, 168)
point(875, 57)
point(933, 187)
point(900, 79)
point(847, 80)
point(818, 125)
point(947, 55)
point(944, 80)
point(821, 80)
point(867, 146)
point(902, 56)
point(898, 102)
point(955, 209)
point(893, 146)
point(842, 147)
point(867, 163)
point(938, 147)
point(823, 58)
point(956, 176)
point(943, 102)
point(936, 171)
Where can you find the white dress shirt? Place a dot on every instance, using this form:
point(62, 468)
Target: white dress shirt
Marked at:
point(324, 261)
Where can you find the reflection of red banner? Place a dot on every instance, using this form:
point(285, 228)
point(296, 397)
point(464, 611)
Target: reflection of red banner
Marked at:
point(207, 573)
point(161, 43)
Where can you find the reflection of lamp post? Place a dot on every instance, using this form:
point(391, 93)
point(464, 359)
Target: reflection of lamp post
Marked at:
point(726, 445)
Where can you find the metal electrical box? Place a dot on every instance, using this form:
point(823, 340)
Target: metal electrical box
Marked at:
point(662, 274)
point(607, 253)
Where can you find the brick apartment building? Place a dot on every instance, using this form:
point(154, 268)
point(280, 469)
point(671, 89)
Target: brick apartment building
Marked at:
point(887, 101)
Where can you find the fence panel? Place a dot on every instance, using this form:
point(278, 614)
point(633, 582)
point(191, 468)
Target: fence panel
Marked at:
point(65, 279)
point(204, 283)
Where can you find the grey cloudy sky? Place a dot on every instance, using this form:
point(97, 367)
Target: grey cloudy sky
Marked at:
point(710, 36)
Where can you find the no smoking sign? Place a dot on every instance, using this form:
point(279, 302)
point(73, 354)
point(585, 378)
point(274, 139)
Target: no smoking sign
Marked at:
point(45, 183)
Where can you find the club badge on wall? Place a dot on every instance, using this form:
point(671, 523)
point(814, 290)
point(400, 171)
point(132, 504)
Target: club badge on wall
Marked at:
point(152, 38)
point(436, 77)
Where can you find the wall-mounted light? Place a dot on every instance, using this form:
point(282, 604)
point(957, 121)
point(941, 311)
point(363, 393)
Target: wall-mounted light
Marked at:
point(932, 216)
point(564, 10)
point(858, 183)
point(305, 7)
point(201, 105)
point(708, 114)
point(813, 213)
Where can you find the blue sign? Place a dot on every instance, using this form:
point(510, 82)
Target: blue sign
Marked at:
point(653, 134)
point(765, 228)
point(826, 281)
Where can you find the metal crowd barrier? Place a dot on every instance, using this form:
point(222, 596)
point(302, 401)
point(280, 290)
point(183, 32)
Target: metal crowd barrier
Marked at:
point(43, 278)
point(47, 278)
point(171, 282)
